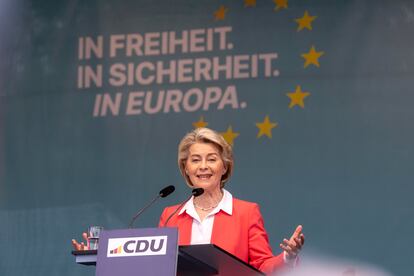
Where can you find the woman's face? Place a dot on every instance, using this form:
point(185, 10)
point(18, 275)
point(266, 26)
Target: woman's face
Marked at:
point(204, 166)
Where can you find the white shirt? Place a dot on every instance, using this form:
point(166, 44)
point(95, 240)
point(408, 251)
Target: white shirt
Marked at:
point(201, 231)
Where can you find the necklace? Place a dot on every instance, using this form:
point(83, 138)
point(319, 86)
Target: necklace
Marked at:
point(205, 209)
point(208, 208)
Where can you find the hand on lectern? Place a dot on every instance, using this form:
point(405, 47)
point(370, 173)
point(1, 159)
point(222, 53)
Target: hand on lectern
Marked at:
point(79, 246)
point(294, 244)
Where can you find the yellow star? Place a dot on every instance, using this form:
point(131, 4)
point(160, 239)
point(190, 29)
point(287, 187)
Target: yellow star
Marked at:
point(305, 21)
point(265, 128)
point(297, 97)
point(220, 14)
point(201, 123)
point(280, 4)
point(249, 3)
point(229, 135)
point(312, 57)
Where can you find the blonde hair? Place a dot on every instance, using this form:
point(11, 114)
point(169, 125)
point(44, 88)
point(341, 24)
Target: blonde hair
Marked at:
point(205, 135)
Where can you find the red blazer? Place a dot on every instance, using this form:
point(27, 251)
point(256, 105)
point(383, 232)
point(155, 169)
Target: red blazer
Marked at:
point(241, 234)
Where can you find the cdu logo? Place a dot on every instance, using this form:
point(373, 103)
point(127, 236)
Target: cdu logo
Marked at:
point(137, 246)
point(117, 250)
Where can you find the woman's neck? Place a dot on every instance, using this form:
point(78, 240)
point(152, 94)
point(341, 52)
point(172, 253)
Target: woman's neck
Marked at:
point(209, 199)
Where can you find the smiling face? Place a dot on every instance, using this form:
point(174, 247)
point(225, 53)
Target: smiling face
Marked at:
point(204, 166)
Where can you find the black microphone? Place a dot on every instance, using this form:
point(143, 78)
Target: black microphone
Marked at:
point(167, 191)
point(195, 192)
point(163, 193)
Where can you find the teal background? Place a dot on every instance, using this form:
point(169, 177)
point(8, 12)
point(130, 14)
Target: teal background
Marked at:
point(342, 166)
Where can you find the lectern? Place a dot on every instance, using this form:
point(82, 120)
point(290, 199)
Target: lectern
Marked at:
point(154, 251)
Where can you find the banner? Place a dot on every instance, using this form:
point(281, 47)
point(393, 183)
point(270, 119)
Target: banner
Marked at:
point(315, 97)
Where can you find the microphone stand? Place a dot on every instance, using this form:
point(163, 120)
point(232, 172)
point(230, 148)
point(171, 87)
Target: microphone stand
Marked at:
point(163, 193)
point(195, 192)
point(142, 210)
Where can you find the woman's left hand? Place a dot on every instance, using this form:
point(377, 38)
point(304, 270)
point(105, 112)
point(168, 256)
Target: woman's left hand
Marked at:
point(294, 244)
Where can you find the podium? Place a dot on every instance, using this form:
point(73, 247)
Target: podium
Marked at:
point(200, 260)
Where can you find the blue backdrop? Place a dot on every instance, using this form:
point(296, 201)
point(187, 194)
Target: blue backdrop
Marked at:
point(315, 96)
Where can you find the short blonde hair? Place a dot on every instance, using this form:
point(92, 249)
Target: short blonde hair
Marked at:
point(206, 135)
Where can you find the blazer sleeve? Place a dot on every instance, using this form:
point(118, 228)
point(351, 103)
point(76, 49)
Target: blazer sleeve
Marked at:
point(260, 252)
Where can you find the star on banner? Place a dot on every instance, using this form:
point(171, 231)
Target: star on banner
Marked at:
point(280, 4)
point(249, 3)
point(305, 21)
point(201, 123)
point(297, 97)
point(312, 57)
point(220, 14)
point(229, 135)
point(265, 128)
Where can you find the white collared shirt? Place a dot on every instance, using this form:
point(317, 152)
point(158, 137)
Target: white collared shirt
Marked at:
point(201, 231)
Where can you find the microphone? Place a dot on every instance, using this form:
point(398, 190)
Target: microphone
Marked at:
point(163, 193)
point(195, 192)
point(167, 191)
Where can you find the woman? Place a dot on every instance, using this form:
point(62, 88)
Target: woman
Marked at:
point(205, 160)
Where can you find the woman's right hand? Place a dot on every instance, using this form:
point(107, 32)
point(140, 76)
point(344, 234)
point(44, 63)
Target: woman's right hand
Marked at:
point(79, 246)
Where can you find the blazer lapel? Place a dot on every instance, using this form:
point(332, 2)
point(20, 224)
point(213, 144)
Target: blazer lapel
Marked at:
point(218, 235)
point(185, 224)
